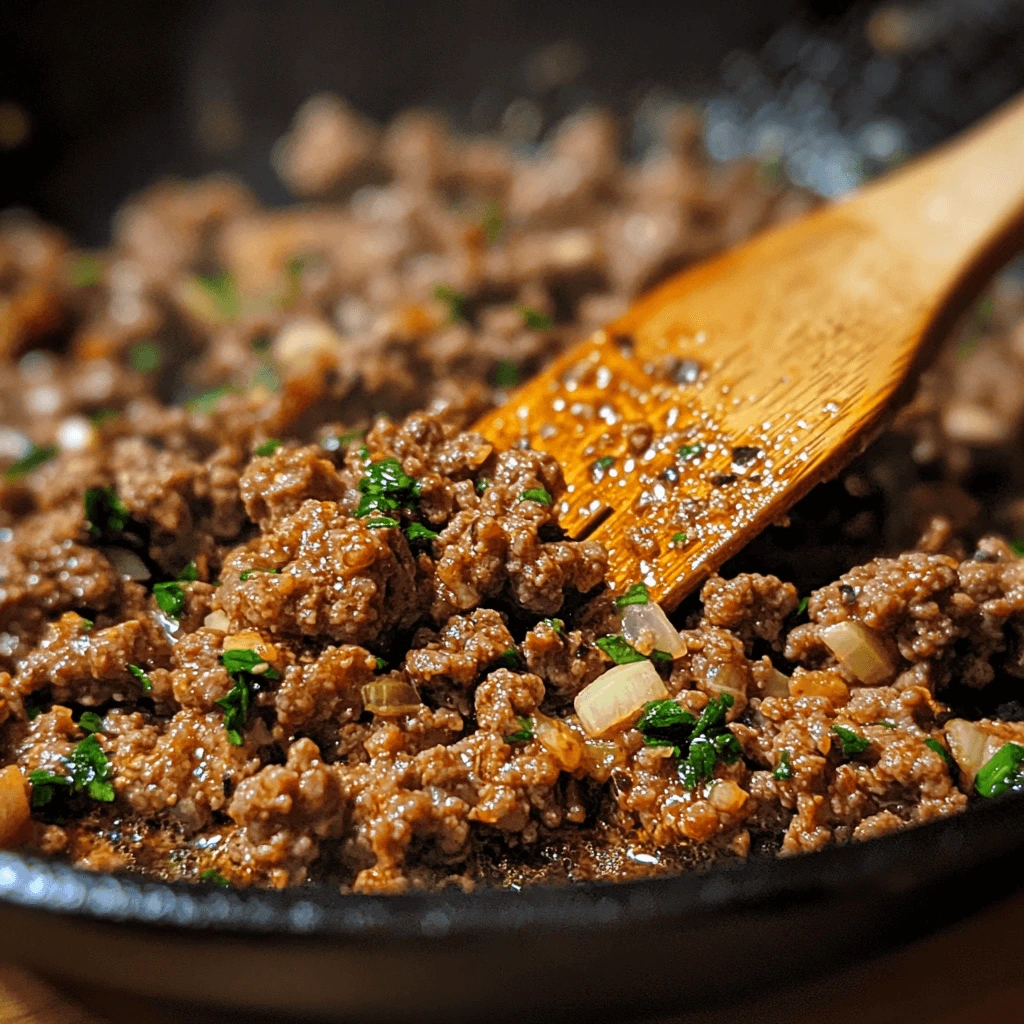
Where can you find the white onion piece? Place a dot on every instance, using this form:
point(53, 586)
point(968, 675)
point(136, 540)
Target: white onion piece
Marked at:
point(391, 697)
point(775, 684)
point(727, 797)
point(217, 620)
point(128, 564)
point(564, 746)
point(860, 651)
point(616, 696)
point(970, 746)
point(647, 622)
point(730, 678)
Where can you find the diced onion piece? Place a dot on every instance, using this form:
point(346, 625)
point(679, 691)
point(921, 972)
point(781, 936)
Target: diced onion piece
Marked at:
point(601, 758)
point(819, 684)
point(390, 697)
point(727, 797)
point(128, 564)
point(970, 746)
point(644, 623)
point(617, 696)
point(217, 620)
point(775, 684)
point(860, 650)
point(14, 807)
point(559, 741)
point(250, 640)
point(728, 678)
point(304, 345)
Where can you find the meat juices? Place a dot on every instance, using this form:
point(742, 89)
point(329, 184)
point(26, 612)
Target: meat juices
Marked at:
point(226, 535)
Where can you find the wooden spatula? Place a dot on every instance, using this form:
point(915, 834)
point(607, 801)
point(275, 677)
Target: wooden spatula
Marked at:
point(723, 396)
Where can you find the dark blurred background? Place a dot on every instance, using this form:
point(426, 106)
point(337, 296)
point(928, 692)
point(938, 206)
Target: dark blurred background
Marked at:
point(97, 99)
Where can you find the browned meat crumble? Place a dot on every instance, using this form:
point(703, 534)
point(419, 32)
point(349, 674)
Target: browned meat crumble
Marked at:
point(227, 656)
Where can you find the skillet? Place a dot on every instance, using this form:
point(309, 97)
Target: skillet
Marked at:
point(114, 94)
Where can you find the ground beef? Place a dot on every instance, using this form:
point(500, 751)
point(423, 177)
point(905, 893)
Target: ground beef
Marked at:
point(320, 629)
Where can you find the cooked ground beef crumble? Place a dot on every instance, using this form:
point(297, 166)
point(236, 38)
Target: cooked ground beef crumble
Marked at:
point(261, 622)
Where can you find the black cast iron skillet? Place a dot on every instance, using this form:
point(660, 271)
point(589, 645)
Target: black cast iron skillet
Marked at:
point(590, 951)
point(113, 89)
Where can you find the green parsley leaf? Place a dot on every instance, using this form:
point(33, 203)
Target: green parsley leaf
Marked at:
point(189, 574)
point(537, 494)
point(86, 624)
point(91, 771)
point(457, 303)
point(45, 787)
point(534, 320)
point(386, 488)
point(236, 703)
point(602, 465)
point(246, 573)
point(146, 357)
point(690, 451)
point(934, 744)
point(783, 770)
point(493, 222)
point(144, 681)
point(1001, 772)
point(524, 733)
point(268, 447)
point(637, 594)
point(381, 523)
point(801, 608)
point(36, 456)
point(213, 876)
point(679, 538)
point(170, 598)
point(619, 649)
point(90, 722)
point(1017, 547)
point(381, 664)
point(417, 531)
point(508, 658)
point(221, 288)
point(85, 271)
point(665, 723)
point(851, 742)
point(32, 710)
point(506, 374)
point(105, 511)
point(243, 660)
point(558, 625)
point(206, 402)
point(482, 485)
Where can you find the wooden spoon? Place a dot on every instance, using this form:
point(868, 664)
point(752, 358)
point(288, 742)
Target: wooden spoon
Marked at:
point(698, 418)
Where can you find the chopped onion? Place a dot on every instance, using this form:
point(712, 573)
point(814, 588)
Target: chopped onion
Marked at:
point(601, 758)
point(250, 640)
point(306, 344)
point(819, 684)
point(559, 741)
point(860, 650)
point(14, 806)
point(390, 697)
point(970, 746)
point(726, 796)
point(775, 684)
point(617, 696)
point(728, 678)
point(128, 564)
point(647, 628)
point(217, 620)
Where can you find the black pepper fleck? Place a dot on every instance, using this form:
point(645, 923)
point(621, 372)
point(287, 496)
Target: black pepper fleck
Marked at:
point(722, 479)
point(744, 455)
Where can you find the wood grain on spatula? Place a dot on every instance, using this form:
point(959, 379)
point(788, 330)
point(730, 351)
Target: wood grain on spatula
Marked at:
point(697, 419)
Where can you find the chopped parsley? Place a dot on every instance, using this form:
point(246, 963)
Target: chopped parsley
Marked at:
point(619, 649)
point(85, 624)
point(85, 271)
point(105, 511)
point(801, 608)
point(144, 681)
point(783, 770)
point(221, 289)
point(1001, 772)
point(206, 402)
point(417, 531)
point(379, 664)
point(506, 374)
point(690, 451)
point(268, 447)
point(537, 494)
point(934, 744)
point(534, 320)
point(213, 876)
point(637, 594)
point(236, 703)
point(1017, 547)
point(170, 598)
point(246, 573)
point(90, 722)
point(509, 658)
point(558, 625)
point(36, 456)
point(603, 464)
point(457, 303)
point(679, 538)
point(851, 742)
point(665, 723)
point(88, 771)
point(146, 357)
point(492, 222)
point(482, 485)
point(524, 733)
point(189, 574)
point(386, 488)
point(381, 523)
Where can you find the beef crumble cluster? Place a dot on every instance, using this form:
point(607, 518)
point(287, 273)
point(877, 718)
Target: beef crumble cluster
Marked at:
point(261, 622)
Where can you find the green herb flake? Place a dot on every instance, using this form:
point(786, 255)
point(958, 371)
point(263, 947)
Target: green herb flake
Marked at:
point(213, 876)
point(91, 771)
point(146, 357)
point(534, 320)
point(492, 221)
point(689, 451)
point(246, 573)
point(381, 523)
point(619, 649)
point(851, 742)
point(456, 302)
point(36, 456)
point(105, 511)
point(482, 485)
point(602, 465)
point(85, 624)
point(885, 724)
point(221, 289)
point(637, 594)
point(934, 744)
point(241, 665)
point(801, 608)
point(144, 681)
point(417, 531)
point(537, 494)
point(524, 733)
point(1001, 772)
point(85, 271)
point(244, 660)
point(90, 722)
point(1017, 547)
point(386, 488)
point(783, 770)
point(558, 625)
point(206, 403)
point(508, 658)
point(379, 664)
point(101, 416)
point(506, 375)
point(170, 598)
point(679, 538)
point(46, 786)
point(268, 447)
